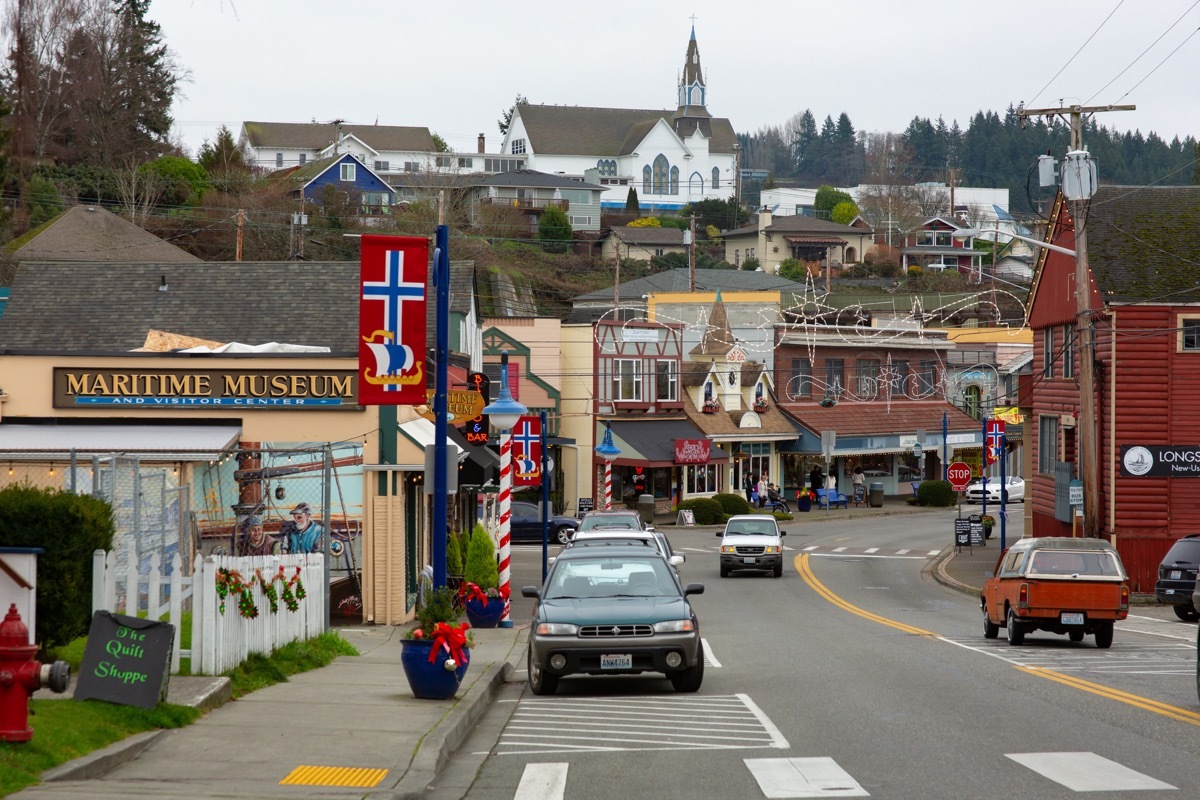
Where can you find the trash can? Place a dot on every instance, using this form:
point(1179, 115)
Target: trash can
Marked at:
point(875, 495)
point(645, 508)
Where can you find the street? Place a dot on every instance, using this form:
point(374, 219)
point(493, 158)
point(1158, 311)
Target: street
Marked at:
point(854, 675)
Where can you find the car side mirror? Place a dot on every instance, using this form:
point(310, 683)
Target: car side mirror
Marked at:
point(693, 588)
point(550, 560)
point(650, 528)
point(720, 534)
point(676, 560)
point(530, 591)
point(783, 533)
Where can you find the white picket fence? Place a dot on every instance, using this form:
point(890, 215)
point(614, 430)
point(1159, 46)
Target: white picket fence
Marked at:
point(221, 640)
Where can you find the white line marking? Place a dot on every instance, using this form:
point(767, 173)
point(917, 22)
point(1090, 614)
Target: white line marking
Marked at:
point(803, 777)
point(871, 550)
point(543, 782)
point(1087, 772)
point(811, 547)
point(839, 549)
point(776, 735)
point(903, 552)
point(861, 555)
point(934, 553)
point(708, 654)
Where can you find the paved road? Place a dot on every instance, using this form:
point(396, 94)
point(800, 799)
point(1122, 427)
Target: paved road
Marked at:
point(855, 675)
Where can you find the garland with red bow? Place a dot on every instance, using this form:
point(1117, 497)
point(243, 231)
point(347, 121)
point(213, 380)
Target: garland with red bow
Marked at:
point(471, 591)
point(452, 639)
point(229, 580)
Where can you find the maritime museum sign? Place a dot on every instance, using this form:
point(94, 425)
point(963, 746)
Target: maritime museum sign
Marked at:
point(81, 387)
point(1160, 461)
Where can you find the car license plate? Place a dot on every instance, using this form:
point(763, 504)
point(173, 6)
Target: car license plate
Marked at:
point(748, 560)
point(618, 661)
point(1071, 619)
point(1176, 574)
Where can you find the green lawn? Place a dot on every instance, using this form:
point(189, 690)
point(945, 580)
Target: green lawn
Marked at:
point(66, 729)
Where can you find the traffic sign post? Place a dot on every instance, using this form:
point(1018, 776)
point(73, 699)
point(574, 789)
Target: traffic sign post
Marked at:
point(959, 475)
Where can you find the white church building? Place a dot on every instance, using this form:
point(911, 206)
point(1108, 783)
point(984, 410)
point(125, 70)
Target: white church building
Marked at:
point(671, 158)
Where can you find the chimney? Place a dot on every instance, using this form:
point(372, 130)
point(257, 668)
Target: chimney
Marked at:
point(481, 148)
point(764, 218)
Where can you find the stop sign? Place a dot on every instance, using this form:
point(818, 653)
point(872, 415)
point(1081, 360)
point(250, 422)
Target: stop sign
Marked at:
point(959, 475)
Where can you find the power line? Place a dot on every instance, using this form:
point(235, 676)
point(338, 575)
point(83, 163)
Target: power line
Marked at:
point(1077, 52)
point(1147, 50)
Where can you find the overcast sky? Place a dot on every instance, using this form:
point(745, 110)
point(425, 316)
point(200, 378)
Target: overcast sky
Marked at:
point(454, 68)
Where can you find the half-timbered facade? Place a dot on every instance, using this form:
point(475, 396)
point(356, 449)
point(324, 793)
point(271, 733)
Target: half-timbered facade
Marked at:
point(638, 391)
point(1143, 254)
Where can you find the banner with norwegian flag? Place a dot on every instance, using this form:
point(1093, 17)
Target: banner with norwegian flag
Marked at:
point(993, 448)
point(391, 320)
point(527, 452)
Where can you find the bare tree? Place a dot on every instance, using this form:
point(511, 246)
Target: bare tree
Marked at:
point(139, 189)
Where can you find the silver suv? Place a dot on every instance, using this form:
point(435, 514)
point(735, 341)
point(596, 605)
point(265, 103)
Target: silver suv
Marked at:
point(752, 542)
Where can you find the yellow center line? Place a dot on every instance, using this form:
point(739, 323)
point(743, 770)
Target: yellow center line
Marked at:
point(1174, 712)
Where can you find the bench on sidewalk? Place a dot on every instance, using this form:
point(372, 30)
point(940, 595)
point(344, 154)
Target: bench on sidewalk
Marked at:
point(831, 498)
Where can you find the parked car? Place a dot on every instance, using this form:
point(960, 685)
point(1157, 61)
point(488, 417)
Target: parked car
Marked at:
point(653, 538)
point(1072, 586)
point(752, 542)
point(1012, 491)
point(525, 524)
point(615, 519)
point(1176, 582)
point(613, 609)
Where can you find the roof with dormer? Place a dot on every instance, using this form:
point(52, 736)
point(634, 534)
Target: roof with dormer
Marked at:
point(317, 136)
point(600, 132)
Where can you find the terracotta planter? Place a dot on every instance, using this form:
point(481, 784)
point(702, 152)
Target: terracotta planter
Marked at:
point(430, 681)
point(484, 615)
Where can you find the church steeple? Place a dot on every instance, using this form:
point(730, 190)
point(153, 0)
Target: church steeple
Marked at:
point(692, 92)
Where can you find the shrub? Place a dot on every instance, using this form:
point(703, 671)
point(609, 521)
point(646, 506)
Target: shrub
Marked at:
point(454, 554)
point(69, 528)
point(732, 503)
point(915, 271)
point(750, 264)
point(480, 568)
point(939, 494)
point(440, 605)
point(706, 510)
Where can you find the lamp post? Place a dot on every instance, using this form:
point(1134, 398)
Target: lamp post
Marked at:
point(608, 451)
point(503, 415)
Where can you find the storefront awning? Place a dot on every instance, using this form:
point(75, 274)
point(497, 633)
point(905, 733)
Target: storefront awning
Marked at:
point(152, 442)
point(421, 432)
point(653, 440)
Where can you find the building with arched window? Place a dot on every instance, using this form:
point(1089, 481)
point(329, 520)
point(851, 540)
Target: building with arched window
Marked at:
point(670, 158)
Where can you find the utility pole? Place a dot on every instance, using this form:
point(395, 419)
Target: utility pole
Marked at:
point(241, 222)
point(692, 251)
point(1089, 462)
point(617, 282)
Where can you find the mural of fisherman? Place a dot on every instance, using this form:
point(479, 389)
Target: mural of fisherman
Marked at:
point(302, 533)
point(254, 541)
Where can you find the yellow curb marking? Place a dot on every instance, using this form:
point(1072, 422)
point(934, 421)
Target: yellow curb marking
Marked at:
point(1144, 703)
point(334, 776)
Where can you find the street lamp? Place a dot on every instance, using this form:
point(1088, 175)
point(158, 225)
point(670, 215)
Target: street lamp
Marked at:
point(608, 451)
point(503, 415)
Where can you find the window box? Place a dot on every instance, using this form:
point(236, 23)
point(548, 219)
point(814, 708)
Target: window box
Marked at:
point(711, 407)
point(760, 405)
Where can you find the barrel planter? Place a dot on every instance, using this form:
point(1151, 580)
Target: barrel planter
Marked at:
point(484, 615)
point(431, 681)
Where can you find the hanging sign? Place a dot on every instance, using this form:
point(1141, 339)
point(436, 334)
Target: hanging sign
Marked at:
point(692, 451)
point(391, 320)
point(527, 452)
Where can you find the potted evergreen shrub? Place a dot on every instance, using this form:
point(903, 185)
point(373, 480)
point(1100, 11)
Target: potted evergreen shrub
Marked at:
point(436, 651)
point(480, 590)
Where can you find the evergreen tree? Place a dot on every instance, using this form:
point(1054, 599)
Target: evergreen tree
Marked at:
point(631, 201)
point(555, 229)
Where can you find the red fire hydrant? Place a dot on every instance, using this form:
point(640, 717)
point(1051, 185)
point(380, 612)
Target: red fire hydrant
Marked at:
point(21, 675)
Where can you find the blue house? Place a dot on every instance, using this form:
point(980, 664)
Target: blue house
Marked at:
point(347, 175)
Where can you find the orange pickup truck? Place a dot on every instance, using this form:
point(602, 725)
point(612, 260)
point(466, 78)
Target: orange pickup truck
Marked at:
point(1071, 586)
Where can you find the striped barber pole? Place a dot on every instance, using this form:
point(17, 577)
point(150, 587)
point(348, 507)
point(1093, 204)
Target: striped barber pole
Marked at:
point(608, 486)
point(505, 521)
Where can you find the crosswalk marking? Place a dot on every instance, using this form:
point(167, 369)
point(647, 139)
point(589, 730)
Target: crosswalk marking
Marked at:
point(934, 553)
point(839, 549)
point(902, 552)
point(543, 782)
point(871, 550)
point(803, 777)
point(1087, 772)
point(709, 658)
point(811, 547)
point(567, 724)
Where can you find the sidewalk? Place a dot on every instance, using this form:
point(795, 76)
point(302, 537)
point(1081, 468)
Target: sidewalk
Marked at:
point(349, 730)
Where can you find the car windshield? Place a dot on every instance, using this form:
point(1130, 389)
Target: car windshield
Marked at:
point(609, 524)
point(750, 527)
point(611, 576)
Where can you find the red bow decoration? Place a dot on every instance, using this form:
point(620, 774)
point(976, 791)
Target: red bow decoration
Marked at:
point(472, 591)
point(452, 638)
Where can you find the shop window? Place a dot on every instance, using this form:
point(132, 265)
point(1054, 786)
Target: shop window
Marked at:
point(835, 375)
point(703, 479)
point(627, 379)
point(1047, 444)
point(866, 378)
point(800, 382)
point(666, 380)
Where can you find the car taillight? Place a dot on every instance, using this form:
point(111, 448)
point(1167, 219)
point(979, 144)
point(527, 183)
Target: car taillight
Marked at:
point(1124, 596)
point(1023, 596)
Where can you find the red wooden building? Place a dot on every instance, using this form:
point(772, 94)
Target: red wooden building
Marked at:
point(1143, 247)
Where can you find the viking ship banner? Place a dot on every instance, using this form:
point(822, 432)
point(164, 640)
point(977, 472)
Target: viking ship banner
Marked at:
point(391, 320)
point(527, 452)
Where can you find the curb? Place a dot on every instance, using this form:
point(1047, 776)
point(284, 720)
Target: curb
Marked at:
point(452, 730)
point(215, 694)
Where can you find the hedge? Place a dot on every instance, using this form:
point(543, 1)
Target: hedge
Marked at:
point(939, 494)
point(732, 503)
point(69, 528)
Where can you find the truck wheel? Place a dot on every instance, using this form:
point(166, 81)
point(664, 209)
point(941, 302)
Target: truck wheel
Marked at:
point(1104, 635)
point(990, 629)
point(724, 571)
point(778, 571)
point(1186, 613)
point(1075, 636)
point(1016, 634)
